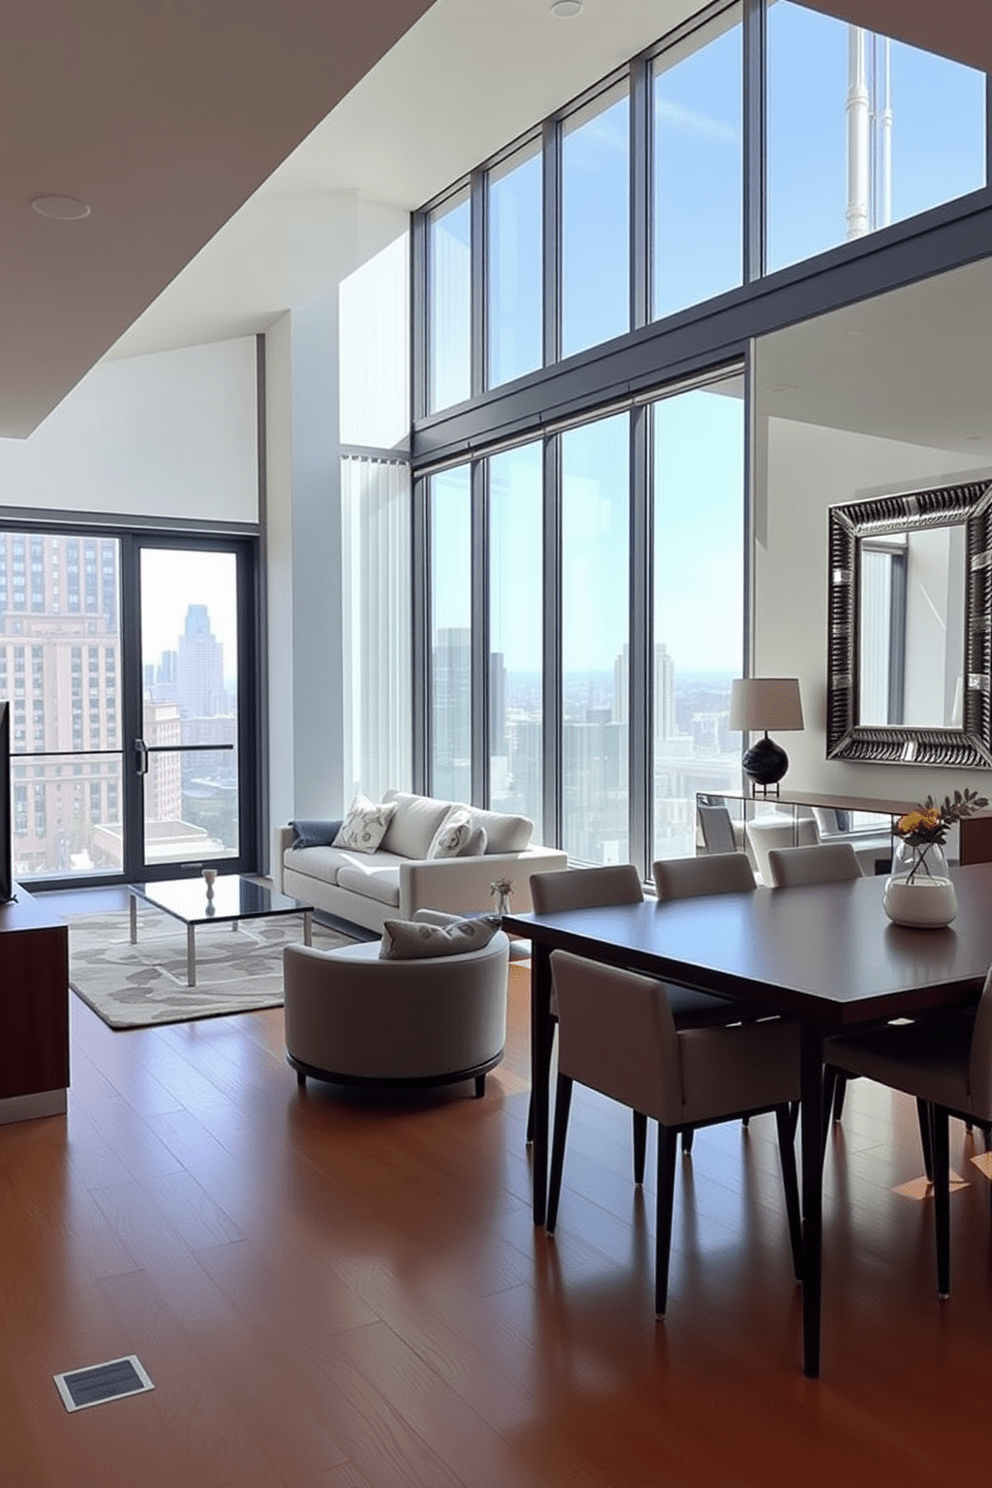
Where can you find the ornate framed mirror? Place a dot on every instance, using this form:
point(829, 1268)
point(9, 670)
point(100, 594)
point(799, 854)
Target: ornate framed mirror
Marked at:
point(910, 628)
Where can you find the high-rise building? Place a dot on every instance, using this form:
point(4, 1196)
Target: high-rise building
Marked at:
point(199, 667)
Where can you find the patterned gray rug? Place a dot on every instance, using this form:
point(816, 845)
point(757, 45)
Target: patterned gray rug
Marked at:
point(130, 986)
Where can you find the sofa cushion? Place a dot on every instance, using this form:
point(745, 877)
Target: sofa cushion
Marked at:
point(476, 844)
point(452, 837)
point(414, 822)
point(504, 834)
point(365, 825)
point(315, 833)
point(381, 883)
point(316, 862)
point(409, 940)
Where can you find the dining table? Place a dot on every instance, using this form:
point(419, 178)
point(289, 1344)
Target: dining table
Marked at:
point(824, 955)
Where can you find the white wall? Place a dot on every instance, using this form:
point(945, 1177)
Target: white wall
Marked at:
point(802, 470)
point(171, 434)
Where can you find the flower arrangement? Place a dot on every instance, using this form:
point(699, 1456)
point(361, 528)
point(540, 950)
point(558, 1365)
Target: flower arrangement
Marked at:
point(501, 889)
point(929, 823)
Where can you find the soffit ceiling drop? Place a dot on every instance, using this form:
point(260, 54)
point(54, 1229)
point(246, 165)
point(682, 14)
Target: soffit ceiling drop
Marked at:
point(163, 119)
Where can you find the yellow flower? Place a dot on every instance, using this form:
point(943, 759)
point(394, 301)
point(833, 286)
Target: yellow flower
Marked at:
point(910, 822)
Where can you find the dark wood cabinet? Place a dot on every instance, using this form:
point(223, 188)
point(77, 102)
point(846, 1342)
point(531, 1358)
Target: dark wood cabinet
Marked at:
point(34, 1010)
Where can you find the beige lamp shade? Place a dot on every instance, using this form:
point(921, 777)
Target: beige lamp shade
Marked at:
point(765, 703)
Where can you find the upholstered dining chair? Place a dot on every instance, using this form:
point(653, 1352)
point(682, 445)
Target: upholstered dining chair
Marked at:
point(828, 862)
point(617, 1035)
point(945, 1061)
point(620, 883)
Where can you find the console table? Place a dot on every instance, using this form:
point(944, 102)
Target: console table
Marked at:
point(34, 1010)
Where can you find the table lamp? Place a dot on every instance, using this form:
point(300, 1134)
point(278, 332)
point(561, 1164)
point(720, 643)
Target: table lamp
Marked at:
point(765, 703)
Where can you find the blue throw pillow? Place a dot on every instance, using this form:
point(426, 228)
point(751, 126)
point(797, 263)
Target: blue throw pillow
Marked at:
point(315, 833)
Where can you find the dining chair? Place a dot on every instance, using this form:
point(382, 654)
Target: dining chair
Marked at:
point(617, 1035)
point(620, 883)
point(717, 828)
point(691, 878)
point(828, 862)
point(945, 1061)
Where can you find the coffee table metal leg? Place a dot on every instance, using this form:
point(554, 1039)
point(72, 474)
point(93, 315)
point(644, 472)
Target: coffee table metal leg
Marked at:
point(132, 912)
point(190, 957)
point(307, 927)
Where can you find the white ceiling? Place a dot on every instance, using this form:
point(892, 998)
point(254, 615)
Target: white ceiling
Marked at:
point(168, 118)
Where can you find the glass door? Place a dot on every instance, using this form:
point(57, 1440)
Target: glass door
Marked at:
point(188, 754)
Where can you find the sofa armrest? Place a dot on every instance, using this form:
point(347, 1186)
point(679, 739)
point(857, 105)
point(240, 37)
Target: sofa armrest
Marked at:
point(282, 838)
point(461, 885)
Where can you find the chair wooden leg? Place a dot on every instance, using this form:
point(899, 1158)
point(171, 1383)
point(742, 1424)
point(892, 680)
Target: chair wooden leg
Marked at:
point(923, 1117)
point(667, 1145)
point(687, 1136)
point(640, 1145)
point(301, 1080)
point(942, 1197)
point(480, 1086)
point(839, 1095)
point(563, 1100)
point(787, 1156)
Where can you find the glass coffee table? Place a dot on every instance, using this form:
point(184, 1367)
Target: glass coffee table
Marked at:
point(233, 898)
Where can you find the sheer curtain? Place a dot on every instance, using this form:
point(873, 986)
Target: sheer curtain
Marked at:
point(377, 601)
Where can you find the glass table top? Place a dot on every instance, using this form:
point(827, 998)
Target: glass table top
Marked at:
point(233, 898)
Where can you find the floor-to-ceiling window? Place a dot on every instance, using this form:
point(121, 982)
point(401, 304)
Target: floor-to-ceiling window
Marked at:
point(127, 661)
point(585, 306)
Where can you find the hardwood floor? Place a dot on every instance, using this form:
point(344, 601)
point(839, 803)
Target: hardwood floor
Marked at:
point(334, 1292)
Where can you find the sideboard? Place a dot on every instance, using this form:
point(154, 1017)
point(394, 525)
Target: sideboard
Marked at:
point(34, 1010)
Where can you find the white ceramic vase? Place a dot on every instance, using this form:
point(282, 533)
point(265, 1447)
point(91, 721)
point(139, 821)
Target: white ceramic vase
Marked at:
point(918, 891)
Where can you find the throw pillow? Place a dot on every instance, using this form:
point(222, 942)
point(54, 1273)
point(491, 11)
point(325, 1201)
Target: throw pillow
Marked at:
point(365, 825)
point(475, 847)
point(409, 940)
point(451, 836)
point(315, 833)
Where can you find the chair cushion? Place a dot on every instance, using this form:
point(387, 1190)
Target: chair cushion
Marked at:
point(365, 825)
point(414, 823)
point(410, 940)
point(475, 847)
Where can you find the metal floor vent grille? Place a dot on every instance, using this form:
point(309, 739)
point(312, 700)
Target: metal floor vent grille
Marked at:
point(110, 1381)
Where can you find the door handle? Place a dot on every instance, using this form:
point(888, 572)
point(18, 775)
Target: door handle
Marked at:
point(140, 757)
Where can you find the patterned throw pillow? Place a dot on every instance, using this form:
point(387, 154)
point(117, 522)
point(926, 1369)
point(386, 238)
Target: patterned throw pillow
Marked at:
point(365, 825)
point(452, 836)
point(409, 940)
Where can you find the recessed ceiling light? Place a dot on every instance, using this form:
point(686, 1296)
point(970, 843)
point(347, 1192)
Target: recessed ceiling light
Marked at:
point(565, 9)
point(61, 208)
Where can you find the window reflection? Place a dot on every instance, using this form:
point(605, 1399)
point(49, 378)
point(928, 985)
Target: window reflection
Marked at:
point(596, 222)
point(449, 259)
point(516, 632)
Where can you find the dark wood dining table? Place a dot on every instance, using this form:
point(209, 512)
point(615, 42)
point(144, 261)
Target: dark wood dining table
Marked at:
point(824, 955)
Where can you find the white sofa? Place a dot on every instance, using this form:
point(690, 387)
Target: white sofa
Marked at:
point(398, 879)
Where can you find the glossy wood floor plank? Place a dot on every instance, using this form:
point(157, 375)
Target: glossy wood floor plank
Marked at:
point(342, 1292)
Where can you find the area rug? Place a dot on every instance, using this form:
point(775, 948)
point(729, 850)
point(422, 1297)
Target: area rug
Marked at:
point(131, 986)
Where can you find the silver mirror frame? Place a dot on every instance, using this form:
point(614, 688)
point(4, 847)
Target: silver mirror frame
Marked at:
point(968, 747)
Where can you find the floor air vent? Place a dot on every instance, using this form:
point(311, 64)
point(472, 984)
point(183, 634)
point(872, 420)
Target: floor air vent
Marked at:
point(110, 1381)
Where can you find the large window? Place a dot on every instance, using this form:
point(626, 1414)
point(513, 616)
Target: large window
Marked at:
point(516, 629)
point(698, 167)
point(862, 131)
point(451, 634)
point(449, 256)
point(595, 217)
point(698, 641)
point(595, 622)
point(515, 266)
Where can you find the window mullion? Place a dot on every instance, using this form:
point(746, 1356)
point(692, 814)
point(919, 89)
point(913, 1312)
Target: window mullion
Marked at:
point(480, 631)
point(641, 645)
point(755, 152)
point(552, 703)
point(551, 152)
point(640, 189)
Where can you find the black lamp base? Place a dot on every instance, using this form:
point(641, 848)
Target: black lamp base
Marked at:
point(764, 764)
